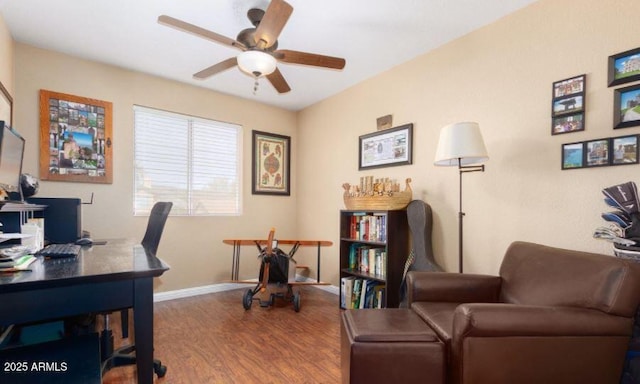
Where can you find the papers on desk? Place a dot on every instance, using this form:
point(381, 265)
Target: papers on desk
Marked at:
point(16, 264)
point(12, 236)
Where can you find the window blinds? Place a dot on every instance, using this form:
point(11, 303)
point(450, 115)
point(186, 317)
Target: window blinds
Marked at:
point(192, 162)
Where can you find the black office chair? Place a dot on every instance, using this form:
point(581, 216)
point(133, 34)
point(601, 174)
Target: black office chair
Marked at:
point(126, 355)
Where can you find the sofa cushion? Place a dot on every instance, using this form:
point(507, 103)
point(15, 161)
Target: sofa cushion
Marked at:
point(535, 274)
point(439, 316)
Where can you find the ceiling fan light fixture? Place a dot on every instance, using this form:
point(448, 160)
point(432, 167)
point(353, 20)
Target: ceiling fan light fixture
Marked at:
point(256, 63)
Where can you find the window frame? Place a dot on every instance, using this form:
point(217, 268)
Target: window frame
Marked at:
point(192, 123)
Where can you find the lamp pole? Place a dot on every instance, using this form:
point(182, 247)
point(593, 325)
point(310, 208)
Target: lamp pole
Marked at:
point(463, 169)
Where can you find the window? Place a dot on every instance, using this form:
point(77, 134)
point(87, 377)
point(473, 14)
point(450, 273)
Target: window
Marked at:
point(192, 162)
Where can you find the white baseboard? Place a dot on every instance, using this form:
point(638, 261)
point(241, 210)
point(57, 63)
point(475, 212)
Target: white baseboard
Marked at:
point(222, 287)
point(195, 291)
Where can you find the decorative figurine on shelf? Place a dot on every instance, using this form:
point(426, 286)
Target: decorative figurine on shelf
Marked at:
point(373, 193)
point(29, 185)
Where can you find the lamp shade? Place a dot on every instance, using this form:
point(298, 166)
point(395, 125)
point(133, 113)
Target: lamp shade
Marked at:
point(256, 63)
point(461, 144)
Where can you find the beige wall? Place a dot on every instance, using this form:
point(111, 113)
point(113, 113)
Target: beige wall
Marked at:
point(500, 76)
point(191, 245)
point(6, 52)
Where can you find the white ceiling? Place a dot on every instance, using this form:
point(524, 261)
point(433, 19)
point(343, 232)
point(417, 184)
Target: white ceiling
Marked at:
point(372, 35)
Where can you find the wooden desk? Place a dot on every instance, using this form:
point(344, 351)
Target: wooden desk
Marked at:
point(102, 278)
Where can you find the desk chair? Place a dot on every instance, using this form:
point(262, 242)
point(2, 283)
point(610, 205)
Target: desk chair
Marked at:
point(126, 355)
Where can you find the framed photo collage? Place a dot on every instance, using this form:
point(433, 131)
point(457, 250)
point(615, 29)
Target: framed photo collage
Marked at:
point(568, 115)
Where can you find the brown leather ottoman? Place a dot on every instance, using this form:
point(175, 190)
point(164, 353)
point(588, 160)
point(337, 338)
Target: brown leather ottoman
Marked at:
point(389, 346)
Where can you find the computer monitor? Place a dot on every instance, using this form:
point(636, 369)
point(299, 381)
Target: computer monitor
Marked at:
point(11, 155)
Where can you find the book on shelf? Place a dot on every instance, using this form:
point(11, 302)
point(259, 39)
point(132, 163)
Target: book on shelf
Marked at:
point(363, 292)
point(369, 259)
point(368, 227)
point(363, 259)
point(354, 225)
point(355, 296)
point(378, 294)
point(381, 263)
point(371, 255)
point(347, 291)
point(358, 293)
point(353, 255)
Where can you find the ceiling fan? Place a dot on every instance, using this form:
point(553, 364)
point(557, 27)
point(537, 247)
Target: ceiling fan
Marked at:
point(258, 45)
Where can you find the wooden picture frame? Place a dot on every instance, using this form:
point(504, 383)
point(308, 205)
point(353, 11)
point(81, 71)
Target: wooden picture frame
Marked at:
point(597, 153)
point(624, 150)
point(271, 164)
point(75, 138)
point(391, 147)
point(624, 67)
point(6, 106)
point(626, 107)
point(573, 155)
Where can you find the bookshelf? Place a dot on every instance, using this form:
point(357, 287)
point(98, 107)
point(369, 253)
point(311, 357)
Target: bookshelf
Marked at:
point(374, 245)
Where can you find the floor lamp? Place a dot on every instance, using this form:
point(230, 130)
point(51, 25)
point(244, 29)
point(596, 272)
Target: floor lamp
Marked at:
point(461, 145)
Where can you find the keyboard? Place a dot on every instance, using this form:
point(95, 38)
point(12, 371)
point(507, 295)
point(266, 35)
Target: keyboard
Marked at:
point(55, 251)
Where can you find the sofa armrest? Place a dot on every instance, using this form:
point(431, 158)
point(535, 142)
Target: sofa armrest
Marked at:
point(452, 287)
point(502, 320)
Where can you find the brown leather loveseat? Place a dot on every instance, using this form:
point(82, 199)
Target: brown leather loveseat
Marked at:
point(551, 316)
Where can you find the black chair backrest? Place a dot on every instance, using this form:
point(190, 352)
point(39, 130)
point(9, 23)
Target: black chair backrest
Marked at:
point(157, 219)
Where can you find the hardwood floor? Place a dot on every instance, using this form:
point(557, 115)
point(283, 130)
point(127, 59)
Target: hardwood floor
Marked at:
point(212, 339)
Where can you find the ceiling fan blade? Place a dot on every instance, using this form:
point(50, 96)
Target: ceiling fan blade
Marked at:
point(216, 68)
point(198, 31)
point(304, 58)
point(279, 83)
point(272, 22)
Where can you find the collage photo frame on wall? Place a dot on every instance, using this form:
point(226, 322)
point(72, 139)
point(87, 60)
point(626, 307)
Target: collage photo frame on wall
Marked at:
point(622, 150)
point(568, 105)
point(568, 115)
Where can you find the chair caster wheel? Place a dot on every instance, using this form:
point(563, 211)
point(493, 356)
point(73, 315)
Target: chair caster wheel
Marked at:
point(160, 370)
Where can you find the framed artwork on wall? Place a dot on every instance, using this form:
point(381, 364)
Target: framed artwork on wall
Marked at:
point(624, 67)
point(271, 164)
point(624, 150)
point(390, 147)
point(568, 105)
point(75, 138)
point(6, 106)
point(567, 87)
point(566, 124)
point(626, 107)
point(573, 155)
point(597, 153)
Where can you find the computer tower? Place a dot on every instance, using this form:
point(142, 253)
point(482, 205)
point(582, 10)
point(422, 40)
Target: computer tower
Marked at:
point(62, 218)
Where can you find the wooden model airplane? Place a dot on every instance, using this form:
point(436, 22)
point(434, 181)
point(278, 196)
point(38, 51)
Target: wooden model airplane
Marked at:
point(275, 268)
